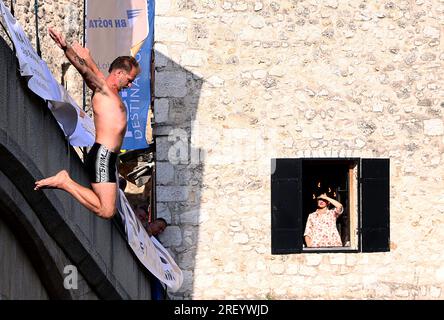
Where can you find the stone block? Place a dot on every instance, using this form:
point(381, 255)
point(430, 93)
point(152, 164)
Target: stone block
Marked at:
point(170, 84)
point(163, 212)
point(241, 238)
point(162, 148)
point(187, 260)
point(431, 32)
point(433, 127)
point(193, 58)
point(190, 217)
point(164, 173)
point(435, 292)
point(240, 6)
point(160, 55)
point(171, 29)
point(292, 269)
point(172, 236)
point(257, 22)
point(172, 194)
point(163, 130)
point(162, 7)
point(259, 74)
point(439, 274)
point(331, 3)
point(338, 258)
point(313, 259)
point(215, 81)
point(161, 110)
point(307, 271)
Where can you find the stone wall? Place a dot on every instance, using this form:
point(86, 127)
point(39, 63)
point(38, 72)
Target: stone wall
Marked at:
point(247, 81)
point(65, 16)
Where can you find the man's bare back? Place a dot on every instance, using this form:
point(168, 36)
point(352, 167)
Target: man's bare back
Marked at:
point(110, 121)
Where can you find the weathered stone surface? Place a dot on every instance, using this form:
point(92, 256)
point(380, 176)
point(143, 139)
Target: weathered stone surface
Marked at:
point(431, 32)
point(313, 259)
point(170, 84)
point(216, 81)
point(257, 22)
point(190, 217)
point(162, 211)
point(164, 173)
point(161, 110)
point(171, 29)
point(168, 194)
point(331, 79)
point(172, 236)
point(241, 238)
point(194, 58)
point(160, 55)
point(162, 148)
point(162, 7)
point(434, 127)
point(258, 6)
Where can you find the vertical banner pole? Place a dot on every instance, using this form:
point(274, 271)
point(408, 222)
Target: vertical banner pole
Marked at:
point(84, 149)
point(84, 42)
point(37, 41)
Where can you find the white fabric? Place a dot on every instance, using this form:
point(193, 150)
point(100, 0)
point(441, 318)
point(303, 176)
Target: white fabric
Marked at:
point(149, 251)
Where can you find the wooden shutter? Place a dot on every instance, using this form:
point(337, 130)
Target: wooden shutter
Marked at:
point(375, 205)
point(286, 206)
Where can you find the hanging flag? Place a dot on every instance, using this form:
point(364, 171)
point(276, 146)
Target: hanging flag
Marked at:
point(75, 123)
point(148, 250)
point(123, 28)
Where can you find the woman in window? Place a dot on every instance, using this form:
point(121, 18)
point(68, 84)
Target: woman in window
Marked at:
point(320, 230)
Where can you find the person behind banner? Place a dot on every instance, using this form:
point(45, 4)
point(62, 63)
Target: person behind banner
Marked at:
point(110, 120)
point(156, 227)
point(153, 228)
point(141, 212)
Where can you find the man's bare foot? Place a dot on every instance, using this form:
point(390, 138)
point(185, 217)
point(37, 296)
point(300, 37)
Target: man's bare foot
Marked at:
point(55, 182)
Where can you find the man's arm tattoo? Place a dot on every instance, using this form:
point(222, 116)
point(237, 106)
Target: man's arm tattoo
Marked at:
point(81, 61)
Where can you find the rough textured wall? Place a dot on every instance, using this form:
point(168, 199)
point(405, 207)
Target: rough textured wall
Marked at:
point(18, 279)
point(65, 16)
point(298, 79)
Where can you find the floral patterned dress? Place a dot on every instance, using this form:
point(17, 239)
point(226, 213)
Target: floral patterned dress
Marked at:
point(321, 228)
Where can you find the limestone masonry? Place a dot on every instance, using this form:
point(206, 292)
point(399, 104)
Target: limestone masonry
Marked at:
point(247, 81)
point(238, 83)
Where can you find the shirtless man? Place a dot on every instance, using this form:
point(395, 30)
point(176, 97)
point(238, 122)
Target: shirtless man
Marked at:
point(110, 120)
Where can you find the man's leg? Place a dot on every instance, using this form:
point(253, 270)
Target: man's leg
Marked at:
point(107, 193)
point(101, 200)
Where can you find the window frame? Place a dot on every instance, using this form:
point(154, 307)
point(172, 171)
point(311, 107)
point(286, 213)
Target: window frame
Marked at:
point(377, 177)
point(357, 214)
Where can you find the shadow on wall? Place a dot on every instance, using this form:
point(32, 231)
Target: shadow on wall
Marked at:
point(178, 164)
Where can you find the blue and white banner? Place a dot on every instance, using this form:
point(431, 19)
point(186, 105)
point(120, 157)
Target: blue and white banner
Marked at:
point(118, 28)
point(75, 123)
point(148, 250)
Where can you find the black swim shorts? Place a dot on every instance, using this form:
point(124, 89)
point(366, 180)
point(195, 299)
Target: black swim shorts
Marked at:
point(101, 164)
